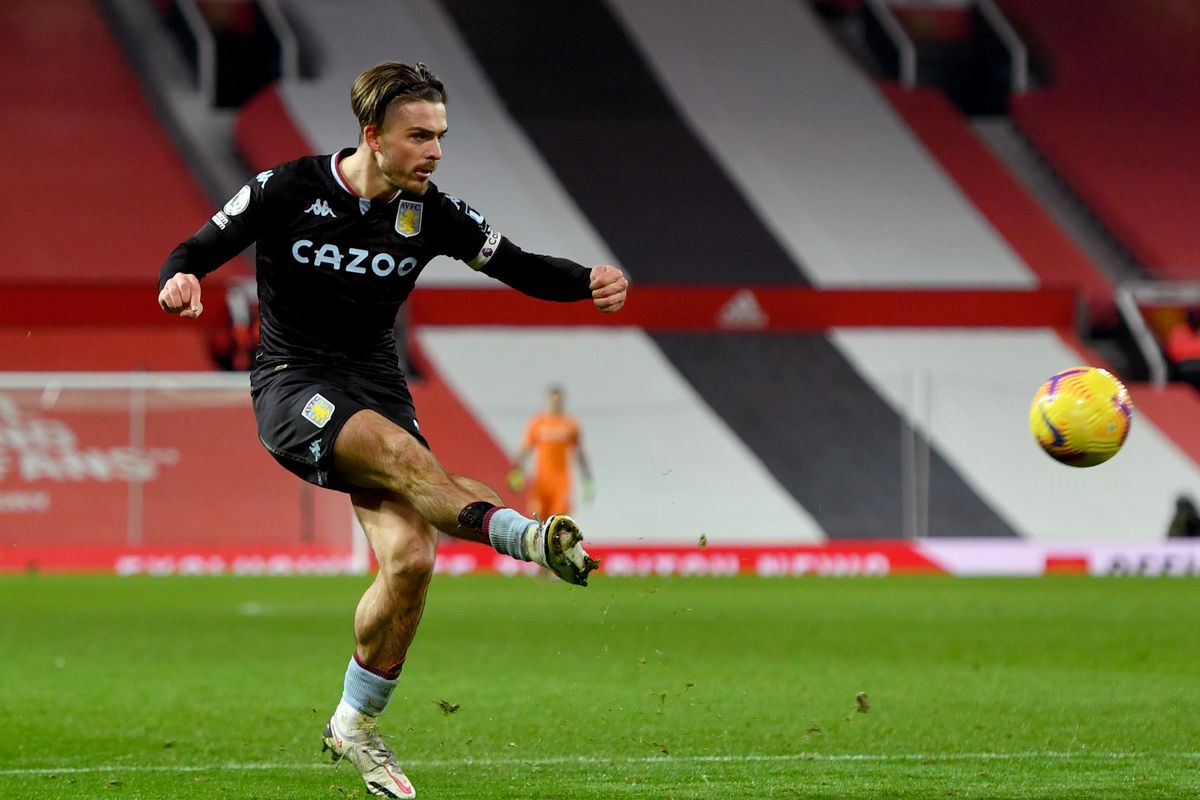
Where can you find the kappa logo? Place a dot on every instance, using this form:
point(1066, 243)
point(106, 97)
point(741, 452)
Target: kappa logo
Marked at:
point(408, 218)
point(320, 208)
point(318, 410)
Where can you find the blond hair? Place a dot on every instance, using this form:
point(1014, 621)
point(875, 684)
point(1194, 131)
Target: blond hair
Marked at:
point(377, 88)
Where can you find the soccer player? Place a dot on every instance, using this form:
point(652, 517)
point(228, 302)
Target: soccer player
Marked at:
point(341, 239)
point(551, 437)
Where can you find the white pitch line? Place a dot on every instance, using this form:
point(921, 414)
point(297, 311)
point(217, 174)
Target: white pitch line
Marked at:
point(665, 759)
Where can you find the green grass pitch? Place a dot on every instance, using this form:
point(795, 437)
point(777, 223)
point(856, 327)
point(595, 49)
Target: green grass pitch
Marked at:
point(632, 688)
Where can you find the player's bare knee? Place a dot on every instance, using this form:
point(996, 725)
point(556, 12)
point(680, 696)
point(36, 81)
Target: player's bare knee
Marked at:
point(413, 570)
point(408, 565)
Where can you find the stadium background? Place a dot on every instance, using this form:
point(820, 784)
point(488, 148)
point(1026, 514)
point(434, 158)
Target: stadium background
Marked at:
point(858, 240)
point(851, 271)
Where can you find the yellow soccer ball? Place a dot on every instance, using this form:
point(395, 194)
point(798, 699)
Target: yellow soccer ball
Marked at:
point(1081, 416)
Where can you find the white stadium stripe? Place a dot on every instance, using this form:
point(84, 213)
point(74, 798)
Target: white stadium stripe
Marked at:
point(975, 388)
point(836, 175)
point(668, 467)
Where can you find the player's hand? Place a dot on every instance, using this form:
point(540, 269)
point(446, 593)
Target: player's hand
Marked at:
point(608, 288)
point(589, 490)
point(181, 295)
point(516, 479)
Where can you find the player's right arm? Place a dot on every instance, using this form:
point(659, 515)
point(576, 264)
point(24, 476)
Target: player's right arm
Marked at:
point(227, 233)
point(472, 240)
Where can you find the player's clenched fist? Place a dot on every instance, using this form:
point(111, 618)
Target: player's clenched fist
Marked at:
point(181, 295)
point(608, 287)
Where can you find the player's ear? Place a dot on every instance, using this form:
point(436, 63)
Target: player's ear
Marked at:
point(370, 134)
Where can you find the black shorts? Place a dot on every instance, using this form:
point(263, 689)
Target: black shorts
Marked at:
point(300, 409)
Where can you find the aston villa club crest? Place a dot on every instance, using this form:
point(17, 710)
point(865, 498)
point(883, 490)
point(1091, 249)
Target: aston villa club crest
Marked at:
point(408, 218)
point(318, 410)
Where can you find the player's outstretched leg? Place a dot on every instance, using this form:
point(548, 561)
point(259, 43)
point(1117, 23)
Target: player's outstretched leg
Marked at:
point(366, 750)
point(557, 545)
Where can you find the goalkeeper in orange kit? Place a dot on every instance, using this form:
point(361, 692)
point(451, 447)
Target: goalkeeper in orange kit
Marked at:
point(551, 436)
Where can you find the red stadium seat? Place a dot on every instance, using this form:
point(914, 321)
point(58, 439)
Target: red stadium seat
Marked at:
point(1120, 116)
point(97, 193)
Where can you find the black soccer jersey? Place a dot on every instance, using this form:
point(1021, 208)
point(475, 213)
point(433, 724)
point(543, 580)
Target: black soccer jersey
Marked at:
point(333, 267)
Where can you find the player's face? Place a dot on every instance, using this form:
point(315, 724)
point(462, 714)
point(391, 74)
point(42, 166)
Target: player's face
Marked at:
point(410, 144)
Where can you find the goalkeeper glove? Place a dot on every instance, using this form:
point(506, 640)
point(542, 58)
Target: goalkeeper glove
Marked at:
point(516, 479)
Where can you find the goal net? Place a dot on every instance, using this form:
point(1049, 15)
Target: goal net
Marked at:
point(155, 472)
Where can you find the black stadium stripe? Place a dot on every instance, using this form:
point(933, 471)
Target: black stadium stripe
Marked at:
point(584, 96)
point(829, 439)
point(576, 85)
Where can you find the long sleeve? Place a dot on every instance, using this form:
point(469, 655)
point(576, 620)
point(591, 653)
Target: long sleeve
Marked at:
point(543, 277)
point(230, 231)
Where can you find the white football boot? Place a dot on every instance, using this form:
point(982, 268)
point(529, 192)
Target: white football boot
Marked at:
point(557, 545)
point(376, 762)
